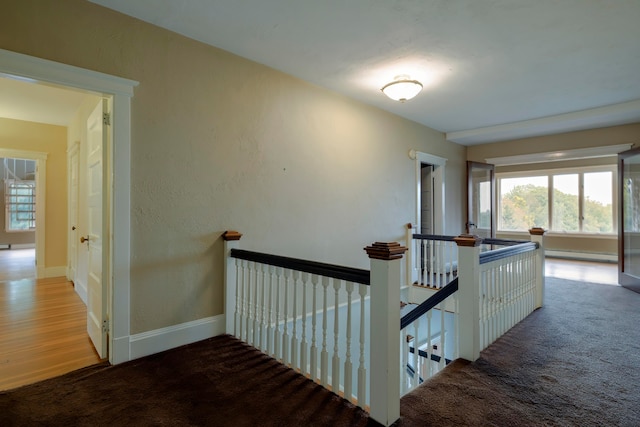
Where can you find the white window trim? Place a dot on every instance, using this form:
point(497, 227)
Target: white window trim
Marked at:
point(561, 171)
point(8, 184)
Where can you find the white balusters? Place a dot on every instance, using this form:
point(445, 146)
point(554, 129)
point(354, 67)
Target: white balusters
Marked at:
point(508, 292)
point(314, 348)
point(277, 337)
point(263, 307)
point(237, 318)
point(415, 380)
point(303, 342)
point(324, 354)
point(270, 320)
point(295, 362)
point(286, 342)
point(307, 321)
point(362, 370)
point(348, 367)
point(335, 361)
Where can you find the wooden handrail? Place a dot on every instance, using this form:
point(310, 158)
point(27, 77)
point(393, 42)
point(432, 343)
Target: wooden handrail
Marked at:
point(501, 253)
point(431, 302)
point(349, 274)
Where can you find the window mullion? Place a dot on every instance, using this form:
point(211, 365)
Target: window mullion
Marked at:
point(550, 197)
point(581, 205)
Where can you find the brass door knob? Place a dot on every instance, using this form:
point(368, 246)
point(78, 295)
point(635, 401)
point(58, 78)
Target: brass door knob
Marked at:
point(84, 239)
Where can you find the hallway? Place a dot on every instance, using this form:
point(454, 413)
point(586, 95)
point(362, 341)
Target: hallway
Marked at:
point(43, 323)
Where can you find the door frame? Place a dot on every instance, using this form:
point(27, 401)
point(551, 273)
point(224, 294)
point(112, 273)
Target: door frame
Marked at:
point(492, 177)
point(73, 154)
point(36, 70)
point(438, 175)
point(626, 280)
point(41, 189)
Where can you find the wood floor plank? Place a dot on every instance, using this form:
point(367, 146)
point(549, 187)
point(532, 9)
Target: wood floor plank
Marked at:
point(42, 325)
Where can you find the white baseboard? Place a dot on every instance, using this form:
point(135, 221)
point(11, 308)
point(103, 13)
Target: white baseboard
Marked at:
point(158, 340)
point(120, 350)
point(55, 271)
point(18, 245)
point(584, 256)
point(81, 290)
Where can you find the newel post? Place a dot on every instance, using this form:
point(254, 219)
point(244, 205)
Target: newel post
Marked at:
point(537, 235)
point(469, 295)
point(386, 260)
point(231, 241)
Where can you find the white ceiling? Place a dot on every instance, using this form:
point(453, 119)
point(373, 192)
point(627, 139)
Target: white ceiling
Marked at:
point(24, 100)
point(491, 69)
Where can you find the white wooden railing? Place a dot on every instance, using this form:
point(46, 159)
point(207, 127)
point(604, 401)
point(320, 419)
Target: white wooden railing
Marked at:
point(317, 318)
point(493, 291)
point(432, 260)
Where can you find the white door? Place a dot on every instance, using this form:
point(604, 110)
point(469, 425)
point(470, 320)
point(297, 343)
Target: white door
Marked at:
point(73, 163)
point(96, 230)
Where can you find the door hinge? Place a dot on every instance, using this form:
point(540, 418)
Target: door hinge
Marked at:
point(106, 119)
point(105, 325)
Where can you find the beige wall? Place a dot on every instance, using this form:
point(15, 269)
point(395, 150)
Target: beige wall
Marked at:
point(220, 142)
point(50, 139)
point(626, 134)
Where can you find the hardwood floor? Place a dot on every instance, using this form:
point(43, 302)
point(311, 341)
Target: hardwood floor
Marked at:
point(582, 271)
point(42, 324)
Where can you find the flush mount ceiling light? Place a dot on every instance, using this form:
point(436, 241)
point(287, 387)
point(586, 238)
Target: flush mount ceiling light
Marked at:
point(402, 88)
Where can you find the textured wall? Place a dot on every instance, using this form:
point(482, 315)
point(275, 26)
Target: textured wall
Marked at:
point(50, 139)
point(220, 142)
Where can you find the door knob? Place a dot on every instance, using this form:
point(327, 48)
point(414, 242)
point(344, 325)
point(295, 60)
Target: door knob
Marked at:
point(73, 228)
point(84, 239)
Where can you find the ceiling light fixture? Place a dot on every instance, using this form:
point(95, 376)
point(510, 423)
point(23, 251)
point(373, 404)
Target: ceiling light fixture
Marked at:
point(402, 88)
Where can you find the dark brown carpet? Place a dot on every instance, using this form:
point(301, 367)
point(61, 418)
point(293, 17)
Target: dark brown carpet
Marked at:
point(575, 362)
point(216, 382)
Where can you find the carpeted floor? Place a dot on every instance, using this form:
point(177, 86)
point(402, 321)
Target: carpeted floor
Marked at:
point(575, 362)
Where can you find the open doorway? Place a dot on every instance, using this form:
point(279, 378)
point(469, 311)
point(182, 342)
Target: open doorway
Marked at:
point(116, 271)
point(18, 217)
point(43, 330)
point(430, 190)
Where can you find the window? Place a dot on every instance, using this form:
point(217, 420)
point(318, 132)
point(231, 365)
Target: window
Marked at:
point(20, 205)
point(523, 203)
point(568, 201)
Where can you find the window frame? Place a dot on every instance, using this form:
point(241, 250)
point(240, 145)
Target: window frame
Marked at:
point(549, 173)
point(9, 184)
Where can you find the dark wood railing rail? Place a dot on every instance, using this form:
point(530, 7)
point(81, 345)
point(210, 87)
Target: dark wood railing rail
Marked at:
point(501, 253)
point(349, 274)
point(433, 237)
point(429, 303)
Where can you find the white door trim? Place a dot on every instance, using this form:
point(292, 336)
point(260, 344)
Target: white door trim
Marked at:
point(41, 189)
point(438, 187)
point(28, 68)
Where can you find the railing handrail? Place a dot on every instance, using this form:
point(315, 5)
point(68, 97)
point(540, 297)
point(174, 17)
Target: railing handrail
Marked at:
point(349, 274)
point(433, 237)
point(501, 253)
point(428, 304)
point(503, 242)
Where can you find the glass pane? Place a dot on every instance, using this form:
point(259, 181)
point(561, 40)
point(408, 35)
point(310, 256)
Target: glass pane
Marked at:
point(524, 203)
point(598, 203)
point(565, 203)
point(631, 215)
point(480, 214)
